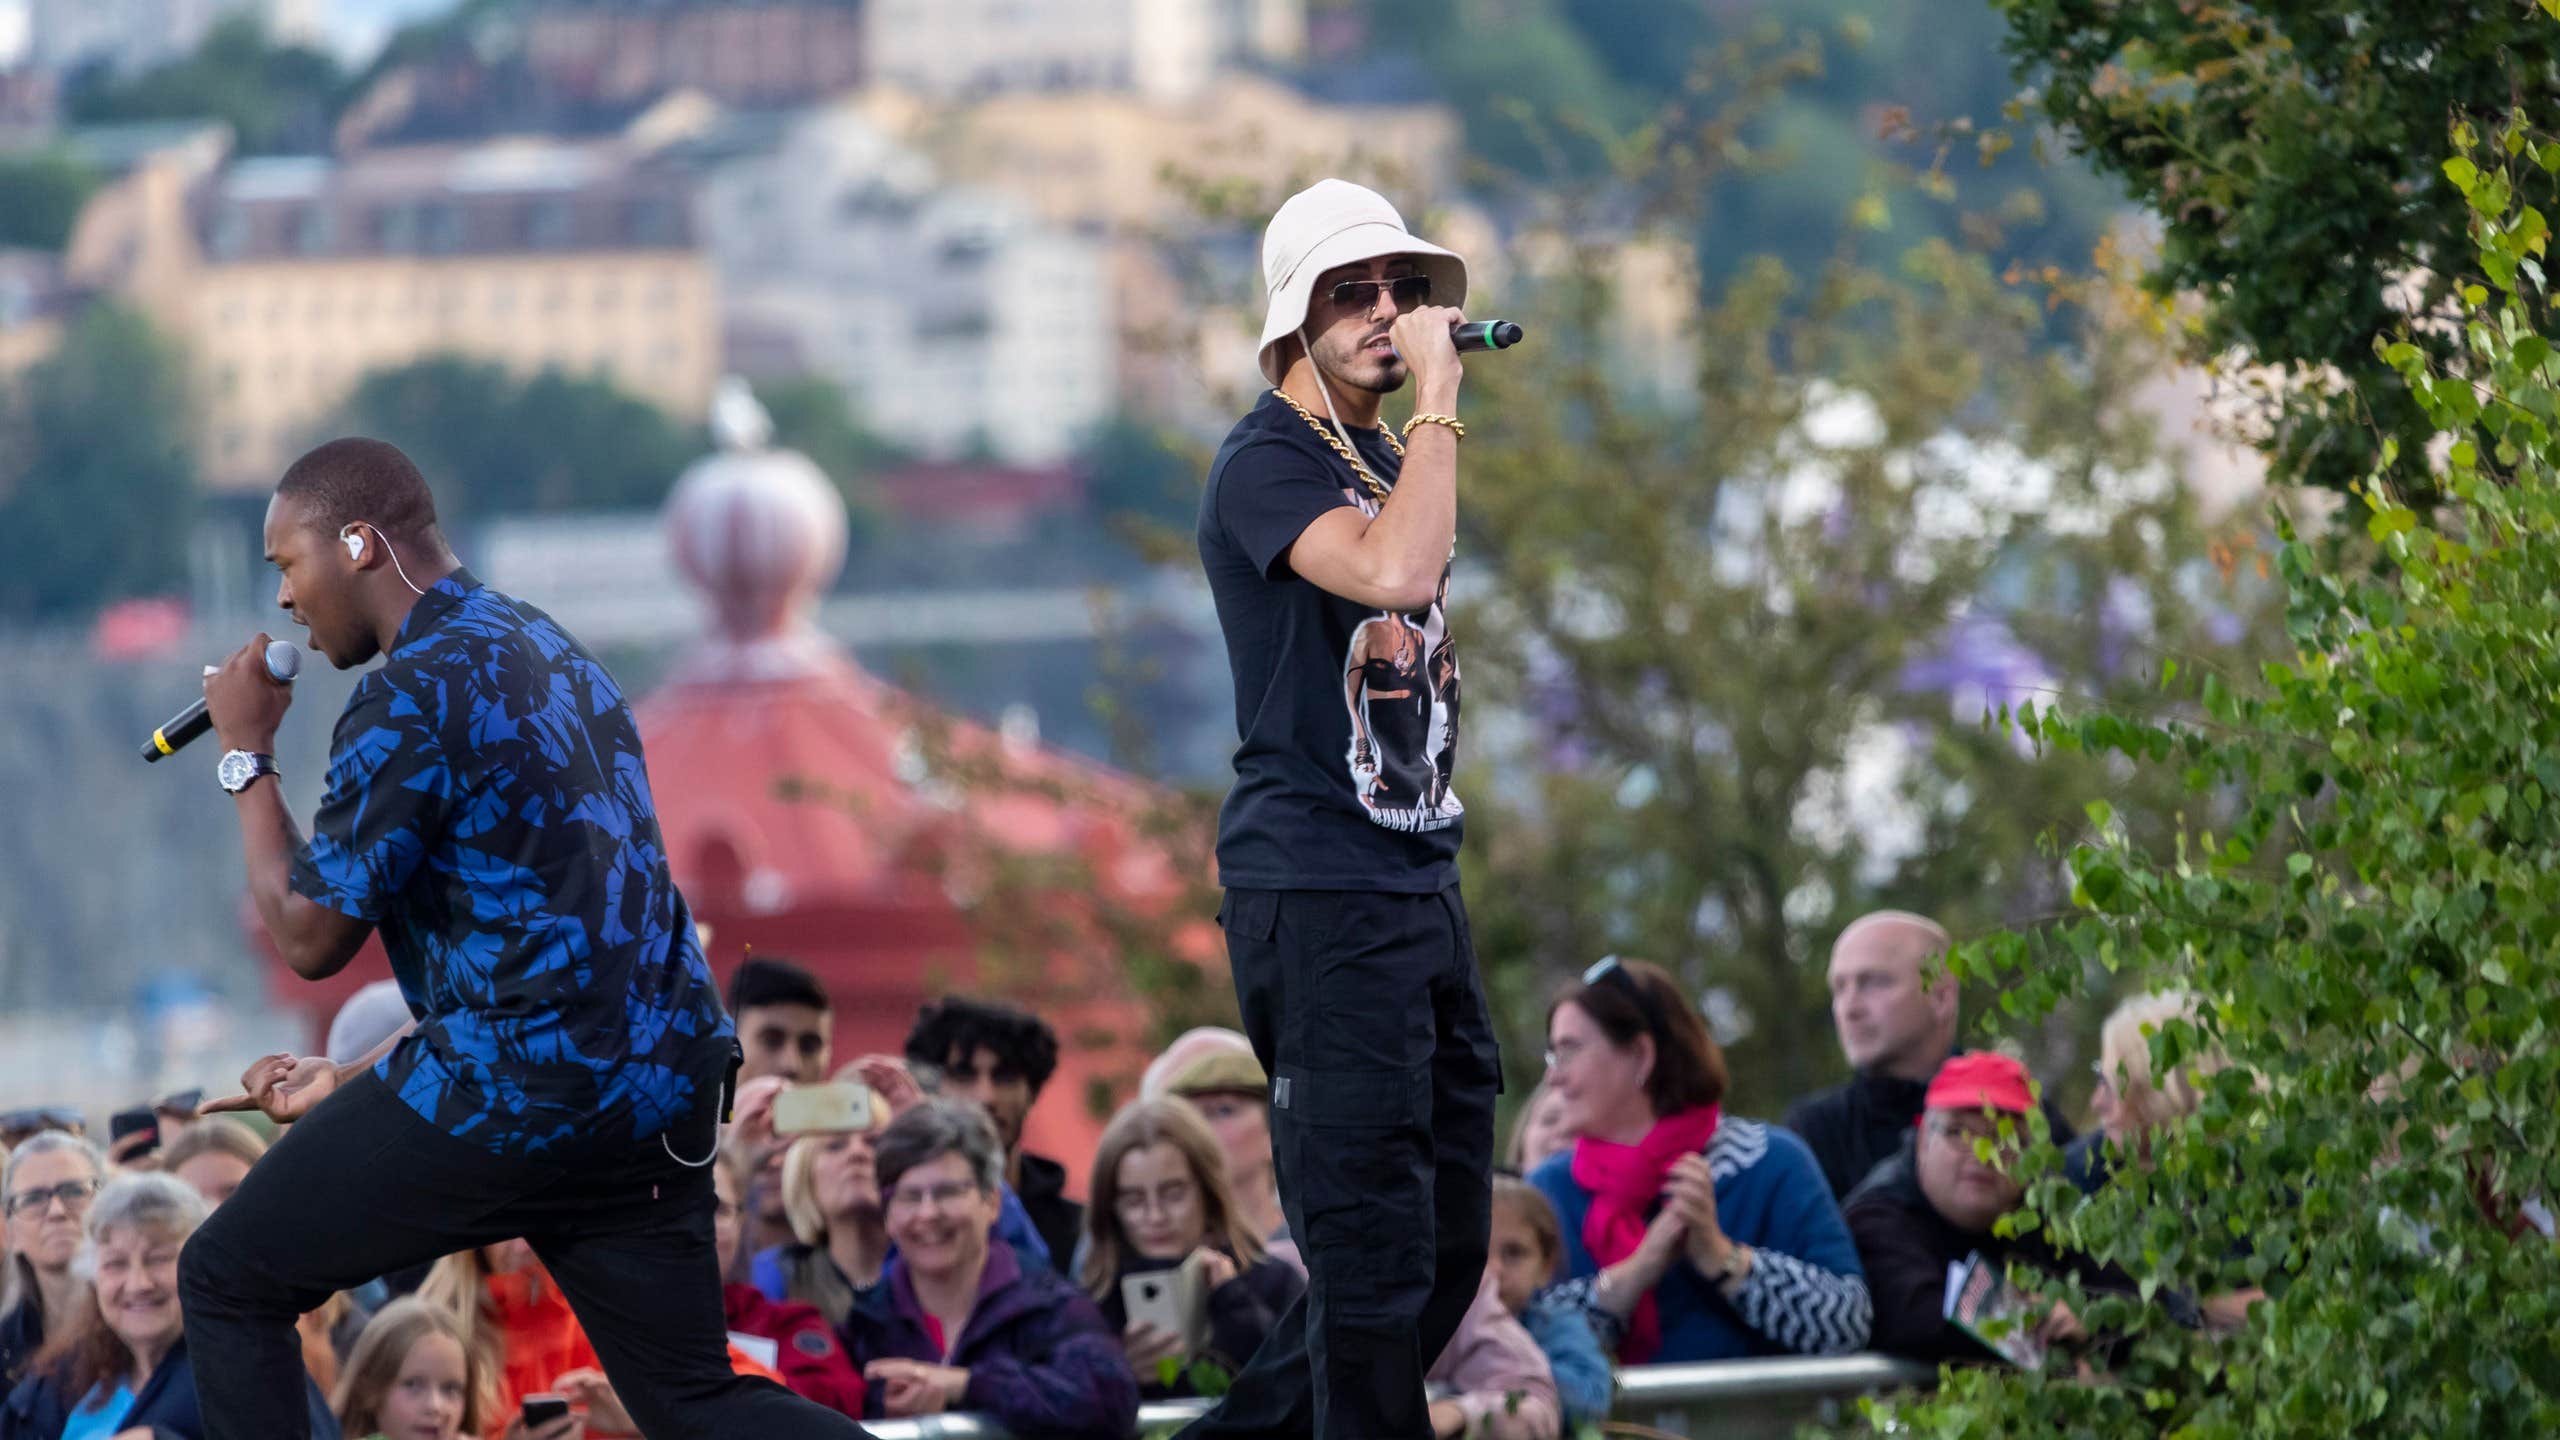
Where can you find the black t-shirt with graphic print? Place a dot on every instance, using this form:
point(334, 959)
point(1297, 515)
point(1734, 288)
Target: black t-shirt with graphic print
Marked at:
point(1347, 717)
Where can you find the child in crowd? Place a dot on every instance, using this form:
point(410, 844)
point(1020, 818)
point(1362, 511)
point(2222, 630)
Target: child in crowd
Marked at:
point(513, 1315)
point(412, 1376)
point(1526, 1250)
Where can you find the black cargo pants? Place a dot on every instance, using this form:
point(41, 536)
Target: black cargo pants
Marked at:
point(1368, 1013)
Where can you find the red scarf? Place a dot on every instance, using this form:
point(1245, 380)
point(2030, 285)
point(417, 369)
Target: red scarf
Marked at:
point(1625, 1181)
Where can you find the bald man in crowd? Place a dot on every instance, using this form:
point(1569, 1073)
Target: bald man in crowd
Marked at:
point(1894, 1007)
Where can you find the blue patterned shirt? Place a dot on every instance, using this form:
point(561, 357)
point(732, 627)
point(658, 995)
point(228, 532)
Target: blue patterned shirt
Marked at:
point(488, 810)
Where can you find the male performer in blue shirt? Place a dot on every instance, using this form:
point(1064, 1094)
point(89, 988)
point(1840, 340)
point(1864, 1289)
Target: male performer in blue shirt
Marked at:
point(563, 1080)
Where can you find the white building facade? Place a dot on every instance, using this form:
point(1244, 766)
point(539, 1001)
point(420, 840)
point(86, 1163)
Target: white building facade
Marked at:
point(957, 322)
point(1163, 49)
point(133, 35)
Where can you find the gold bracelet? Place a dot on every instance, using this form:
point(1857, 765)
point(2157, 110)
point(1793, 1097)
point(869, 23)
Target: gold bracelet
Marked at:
point(1456, 426)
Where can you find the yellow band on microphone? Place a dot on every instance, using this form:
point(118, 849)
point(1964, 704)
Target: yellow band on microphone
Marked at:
point(162, 741)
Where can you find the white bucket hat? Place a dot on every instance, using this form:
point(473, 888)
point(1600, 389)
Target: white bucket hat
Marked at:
point(1330, 223)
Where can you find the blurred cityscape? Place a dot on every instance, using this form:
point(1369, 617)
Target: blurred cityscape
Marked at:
point(989, 264)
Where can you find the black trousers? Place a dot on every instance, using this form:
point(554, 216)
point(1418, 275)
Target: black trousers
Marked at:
point(363, 1186)
point(1368, 1013)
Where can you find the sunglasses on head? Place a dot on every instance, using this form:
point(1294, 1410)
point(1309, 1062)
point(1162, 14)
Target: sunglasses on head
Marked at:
point(42, 1117)
point(1408, 290)
point(1609, 969)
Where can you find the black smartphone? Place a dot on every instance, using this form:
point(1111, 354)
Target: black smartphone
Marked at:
point(141, 1119)
point(541, 1410)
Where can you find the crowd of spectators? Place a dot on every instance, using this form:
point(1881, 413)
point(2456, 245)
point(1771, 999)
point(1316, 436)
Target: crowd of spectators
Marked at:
point(892, 1249)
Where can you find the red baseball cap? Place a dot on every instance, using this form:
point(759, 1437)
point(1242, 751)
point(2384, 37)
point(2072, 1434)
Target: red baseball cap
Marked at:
point(1982, 1080)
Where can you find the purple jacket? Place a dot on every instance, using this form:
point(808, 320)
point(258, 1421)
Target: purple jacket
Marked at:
point(1040, 1358)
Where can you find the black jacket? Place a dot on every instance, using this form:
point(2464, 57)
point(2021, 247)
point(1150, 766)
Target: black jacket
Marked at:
point(1042, 1188)
point(1905, 1246)
point(40, 1406)
point(21, 1336)
point(1241, 1314)
point(1856, 1126)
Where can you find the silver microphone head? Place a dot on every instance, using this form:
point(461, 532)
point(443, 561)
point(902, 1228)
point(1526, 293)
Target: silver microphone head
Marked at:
point(284, 661)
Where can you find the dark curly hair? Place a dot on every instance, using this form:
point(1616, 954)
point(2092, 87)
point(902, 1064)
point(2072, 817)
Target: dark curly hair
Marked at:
point(959, 1025)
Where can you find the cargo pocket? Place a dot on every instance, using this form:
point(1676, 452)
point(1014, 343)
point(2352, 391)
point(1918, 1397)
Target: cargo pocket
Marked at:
point(1357, 1144)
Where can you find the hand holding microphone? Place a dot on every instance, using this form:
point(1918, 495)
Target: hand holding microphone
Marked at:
point(244, 701)
point(1426, 339)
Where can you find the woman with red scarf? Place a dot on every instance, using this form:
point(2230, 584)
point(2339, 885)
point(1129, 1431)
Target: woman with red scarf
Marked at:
point(1703, 1236)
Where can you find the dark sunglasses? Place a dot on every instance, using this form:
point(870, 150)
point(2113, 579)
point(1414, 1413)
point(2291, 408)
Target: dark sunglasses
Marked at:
point(1409, 291)
point(42, 1117)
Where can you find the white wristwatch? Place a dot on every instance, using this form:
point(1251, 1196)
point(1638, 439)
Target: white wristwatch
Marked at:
point(241, 767)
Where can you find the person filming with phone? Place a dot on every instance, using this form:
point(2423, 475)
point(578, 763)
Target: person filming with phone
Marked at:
point(1171, 1258)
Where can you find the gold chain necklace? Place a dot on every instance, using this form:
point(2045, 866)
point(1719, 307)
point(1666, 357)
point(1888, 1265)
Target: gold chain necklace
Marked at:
point(1343, 448)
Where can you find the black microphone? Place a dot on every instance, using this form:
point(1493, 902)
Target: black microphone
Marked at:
point(283, 663)
point(1485, 335)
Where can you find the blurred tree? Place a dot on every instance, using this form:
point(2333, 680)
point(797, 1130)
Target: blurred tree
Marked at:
point(1743, 648)
point(1143, 472)
point(276, 98)
point(1565, 90)
point(2289, 150)
point(497, 445)
point(97, 483)
point(811, 415)
point(40, 197)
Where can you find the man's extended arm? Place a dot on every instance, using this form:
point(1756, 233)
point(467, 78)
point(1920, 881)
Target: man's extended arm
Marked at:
point(247, 707)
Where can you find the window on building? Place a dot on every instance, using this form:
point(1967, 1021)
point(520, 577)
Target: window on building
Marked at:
point(650, 220)
point(230, 233)
point(315, 230)
point(440, 229)
point(549, 224)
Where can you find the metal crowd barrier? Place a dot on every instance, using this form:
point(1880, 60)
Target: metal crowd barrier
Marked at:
point(1742, 1399)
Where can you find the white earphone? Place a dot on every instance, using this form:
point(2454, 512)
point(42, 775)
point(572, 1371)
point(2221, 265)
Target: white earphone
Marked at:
point(355, 551)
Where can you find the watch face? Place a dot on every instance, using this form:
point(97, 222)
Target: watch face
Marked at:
point(237, 770)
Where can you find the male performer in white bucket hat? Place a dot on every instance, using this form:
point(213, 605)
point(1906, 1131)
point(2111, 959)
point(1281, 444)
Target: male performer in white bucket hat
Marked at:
point(1327, 541)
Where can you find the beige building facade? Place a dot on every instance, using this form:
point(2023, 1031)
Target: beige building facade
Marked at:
point(289, 281)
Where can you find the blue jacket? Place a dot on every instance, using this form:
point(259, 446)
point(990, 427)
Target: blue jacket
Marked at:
point(1584, 1383)
point(165, 1405)
point(1040, 1357)
point(1805, 1294)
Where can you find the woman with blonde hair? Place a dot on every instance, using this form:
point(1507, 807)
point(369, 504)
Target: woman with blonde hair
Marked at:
point(839, 1230)
point(119, 1363)
point(413, 1375)
point(213, 1155)
point(1161, 1203)
point(2132, 1099)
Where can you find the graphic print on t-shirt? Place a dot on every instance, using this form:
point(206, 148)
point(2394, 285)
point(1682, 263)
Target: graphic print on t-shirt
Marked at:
point(1400, 680)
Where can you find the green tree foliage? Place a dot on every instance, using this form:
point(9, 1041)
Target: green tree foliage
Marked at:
point(494, 444)
point(2286, 148)
point(40, 197)
point(1142, 472)
point(1571, 89)
point(276, 98)
point(97, 483)
point(2365, 894)
point(1744, 645)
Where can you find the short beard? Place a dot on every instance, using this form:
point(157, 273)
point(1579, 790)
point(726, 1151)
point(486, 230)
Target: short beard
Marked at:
point(1392, 380)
